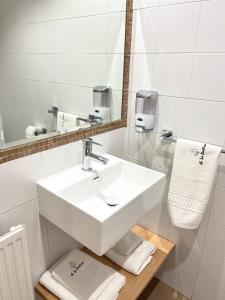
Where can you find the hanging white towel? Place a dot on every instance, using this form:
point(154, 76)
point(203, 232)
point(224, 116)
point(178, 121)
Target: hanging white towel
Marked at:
point(193, 174)
point(86, 278)
point(137, 260)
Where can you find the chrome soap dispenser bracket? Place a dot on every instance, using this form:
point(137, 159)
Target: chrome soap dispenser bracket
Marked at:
point(167, 136)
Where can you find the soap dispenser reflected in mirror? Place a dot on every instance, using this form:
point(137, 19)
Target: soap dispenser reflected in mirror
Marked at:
point(102, 102)
point(145, 110)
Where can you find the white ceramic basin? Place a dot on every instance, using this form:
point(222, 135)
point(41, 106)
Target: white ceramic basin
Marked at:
point(78, 204)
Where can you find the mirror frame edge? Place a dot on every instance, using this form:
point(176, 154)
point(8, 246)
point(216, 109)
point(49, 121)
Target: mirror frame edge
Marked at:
point(23, 150)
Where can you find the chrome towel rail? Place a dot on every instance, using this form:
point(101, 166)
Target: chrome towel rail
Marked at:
point(167, 137)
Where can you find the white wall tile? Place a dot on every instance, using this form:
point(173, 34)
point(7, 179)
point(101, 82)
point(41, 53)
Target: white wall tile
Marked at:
point(29, 11)
point(59, 243)
point(221, 172)
point(142, 68)
point(144, 30)
point(170, 114)
point(211, 27)
point(211, 278)
point(208, 292)
point(180, 281)
point(215, 239)
point(218, 206)
point(172, 74)
point(198, 123)
point(66, 156)
point(177, 27)
point(157, 220)
point(167, 2)
point(63, 68)
point(207, 77)
point(108, 143)
point(18, 181)
point(39, 261)
point(99, 34)
point(60, 158)
point(44, 239)
point(144, 3)
point(181, 268)
point(147, 148)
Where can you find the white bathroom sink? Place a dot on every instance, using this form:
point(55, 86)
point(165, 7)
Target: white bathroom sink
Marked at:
point(79, 203)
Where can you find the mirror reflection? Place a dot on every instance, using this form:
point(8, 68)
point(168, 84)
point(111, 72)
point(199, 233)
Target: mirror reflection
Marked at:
point(61, 66)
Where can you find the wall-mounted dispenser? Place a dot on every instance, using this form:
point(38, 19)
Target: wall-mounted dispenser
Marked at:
point(102, 96)
point(145, 110)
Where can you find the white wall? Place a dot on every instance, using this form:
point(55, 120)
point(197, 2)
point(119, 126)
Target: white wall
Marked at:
point(179, 50)
point(18, 197)
point(63, 48)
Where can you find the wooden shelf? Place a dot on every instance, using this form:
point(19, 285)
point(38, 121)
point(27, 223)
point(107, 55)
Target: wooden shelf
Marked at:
point(134, 284)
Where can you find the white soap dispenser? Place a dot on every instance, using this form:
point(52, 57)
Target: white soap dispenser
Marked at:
point(102, 98)
point(145, 110)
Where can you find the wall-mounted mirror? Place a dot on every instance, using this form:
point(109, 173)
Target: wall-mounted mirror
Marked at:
point(61, 66)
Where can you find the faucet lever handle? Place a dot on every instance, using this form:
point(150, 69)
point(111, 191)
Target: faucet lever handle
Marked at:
point(89, 140)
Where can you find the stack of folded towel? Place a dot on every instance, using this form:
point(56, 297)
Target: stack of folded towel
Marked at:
point(78, 276)
point(132, 253)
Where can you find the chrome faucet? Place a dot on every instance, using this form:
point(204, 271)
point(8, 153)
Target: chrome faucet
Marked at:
point(92, 120)
point(88, 155)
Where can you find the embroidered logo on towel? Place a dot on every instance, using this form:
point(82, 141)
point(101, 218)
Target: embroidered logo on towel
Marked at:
point(202, 157)
point(74, 268)
point(196, 152)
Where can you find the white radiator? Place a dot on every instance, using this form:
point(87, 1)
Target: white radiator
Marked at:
point(15, 276)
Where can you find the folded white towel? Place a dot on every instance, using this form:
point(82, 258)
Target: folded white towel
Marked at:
point(127, 244)
point(193, 174)
point(137, 260)
point(86, 278)
point(58, 290)
point(55, 288)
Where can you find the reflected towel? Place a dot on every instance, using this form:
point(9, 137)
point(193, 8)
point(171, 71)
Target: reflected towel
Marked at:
point(193, 174)
point(66, 122)
point(137, 260)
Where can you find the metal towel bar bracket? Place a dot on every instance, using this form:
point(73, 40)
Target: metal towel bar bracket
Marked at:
point(167, 137)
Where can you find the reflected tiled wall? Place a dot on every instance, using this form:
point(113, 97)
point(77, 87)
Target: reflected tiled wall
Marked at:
point(179, 49)
point(63, 48)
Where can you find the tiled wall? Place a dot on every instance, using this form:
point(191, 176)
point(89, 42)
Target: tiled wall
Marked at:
point(63, 48)
point(18, 196)
point(179, 50)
